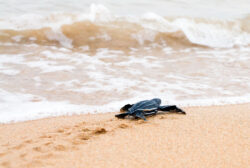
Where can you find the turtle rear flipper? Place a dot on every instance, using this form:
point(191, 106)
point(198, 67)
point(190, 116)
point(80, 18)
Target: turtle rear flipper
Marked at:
point(122, 115)
point(170, 108)
point(178, 110)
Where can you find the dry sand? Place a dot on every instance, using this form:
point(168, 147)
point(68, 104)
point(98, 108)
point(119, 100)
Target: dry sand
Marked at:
point(213, 137)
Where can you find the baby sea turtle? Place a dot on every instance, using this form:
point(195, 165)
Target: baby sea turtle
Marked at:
point(146, 108)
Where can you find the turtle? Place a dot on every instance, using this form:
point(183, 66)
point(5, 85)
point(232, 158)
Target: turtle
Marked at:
point(147, 108)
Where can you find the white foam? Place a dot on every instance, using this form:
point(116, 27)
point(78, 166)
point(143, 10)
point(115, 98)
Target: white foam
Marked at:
point(99, 12)
point(68, 84)
point(17, 38)
point(84, 48)
point(206, 33)
point(5, 60)
point(49, 66)
point(11, 59)
point(32, 39)
point(157, 23)
point(11, 72)
point(145, 35)
point(147, 63)
point(55, 55)
point(216, 101)
point(16, 107)
point(57, 35)
point(19, 107)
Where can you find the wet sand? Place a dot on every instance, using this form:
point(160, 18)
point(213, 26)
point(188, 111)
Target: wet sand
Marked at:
point(216, 136)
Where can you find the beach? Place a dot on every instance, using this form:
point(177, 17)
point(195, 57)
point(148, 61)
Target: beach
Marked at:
point(68, 66)
point(212, 136)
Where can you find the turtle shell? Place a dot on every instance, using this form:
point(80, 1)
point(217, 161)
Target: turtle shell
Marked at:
point(146, 105)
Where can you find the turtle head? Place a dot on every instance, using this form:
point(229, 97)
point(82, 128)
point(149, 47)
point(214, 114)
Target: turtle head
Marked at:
point(126, 107)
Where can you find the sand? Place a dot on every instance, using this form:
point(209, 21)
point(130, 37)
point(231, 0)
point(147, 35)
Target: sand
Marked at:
point(211, 137)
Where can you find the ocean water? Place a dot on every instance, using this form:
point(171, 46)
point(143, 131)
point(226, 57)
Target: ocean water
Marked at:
point(74, 57)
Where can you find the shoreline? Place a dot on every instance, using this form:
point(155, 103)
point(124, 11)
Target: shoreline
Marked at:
point(76, 115)
point(213, 136)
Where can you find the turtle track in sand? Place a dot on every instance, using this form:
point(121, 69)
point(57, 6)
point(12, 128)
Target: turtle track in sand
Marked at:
point(34, 151)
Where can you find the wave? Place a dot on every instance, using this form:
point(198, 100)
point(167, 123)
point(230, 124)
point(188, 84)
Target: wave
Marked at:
point(99, 28)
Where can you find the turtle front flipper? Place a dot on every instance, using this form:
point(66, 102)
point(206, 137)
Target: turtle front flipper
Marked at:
point(122, 115)
point(140, 114)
